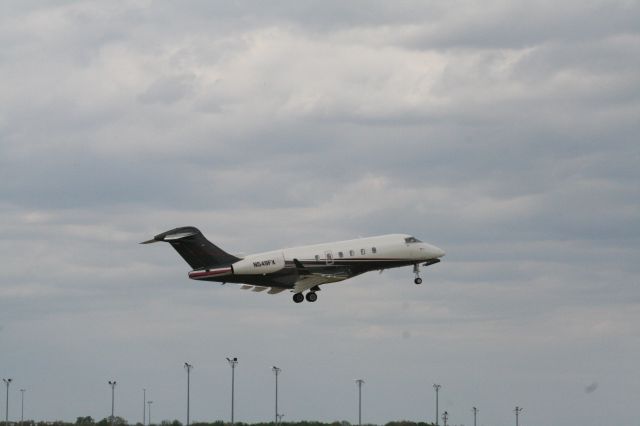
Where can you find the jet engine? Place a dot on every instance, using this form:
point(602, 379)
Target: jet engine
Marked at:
point(259, 264)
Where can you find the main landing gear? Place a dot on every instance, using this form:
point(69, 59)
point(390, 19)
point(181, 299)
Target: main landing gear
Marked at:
point(416, 270)
point(311, 297)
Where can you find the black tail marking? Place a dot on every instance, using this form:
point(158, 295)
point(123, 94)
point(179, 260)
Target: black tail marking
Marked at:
point(199, 252)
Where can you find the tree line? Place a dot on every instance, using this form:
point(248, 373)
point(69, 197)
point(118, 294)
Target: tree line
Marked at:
point(119, 421)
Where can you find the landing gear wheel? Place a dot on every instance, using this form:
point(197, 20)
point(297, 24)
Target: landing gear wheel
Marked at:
point(298, 297)
point(312, 296)
point(416, 270)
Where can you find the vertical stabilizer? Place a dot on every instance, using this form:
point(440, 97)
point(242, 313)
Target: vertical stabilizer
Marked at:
point(199, 252)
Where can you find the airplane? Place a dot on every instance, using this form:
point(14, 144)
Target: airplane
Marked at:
point(299, 269)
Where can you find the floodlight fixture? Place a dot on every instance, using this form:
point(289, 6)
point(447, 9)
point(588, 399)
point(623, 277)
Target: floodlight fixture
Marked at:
point(232, 362)
point(112, 383)
point(276, 372)
point(437, 388)
point(7, 382)
point(188, 367)
point(22, 391)
point(517, 411)
point(359, 382)
point(149, 416)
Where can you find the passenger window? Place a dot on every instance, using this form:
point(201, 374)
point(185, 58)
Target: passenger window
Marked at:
point(340, 255)
point(373, 250)
point(363, 251)
point(352, 253)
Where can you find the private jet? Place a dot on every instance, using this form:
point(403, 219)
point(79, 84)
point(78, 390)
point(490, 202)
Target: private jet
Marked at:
point(299, 269)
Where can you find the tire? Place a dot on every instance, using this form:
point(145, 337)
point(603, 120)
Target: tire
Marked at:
point(298, 297)
point(418, 280)
point(312, 296)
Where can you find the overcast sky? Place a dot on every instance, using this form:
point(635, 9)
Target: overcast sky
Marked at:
point(504, 132)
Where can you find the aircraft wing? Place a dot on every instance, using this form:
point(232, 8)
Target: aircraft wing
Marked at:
point(304, 282)
point(308, 279)
point(305, 279)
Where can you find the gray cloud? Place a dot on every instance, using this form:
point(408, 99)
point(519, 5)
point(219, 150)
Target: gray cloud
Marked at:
point(591, 388)
point(505, 133)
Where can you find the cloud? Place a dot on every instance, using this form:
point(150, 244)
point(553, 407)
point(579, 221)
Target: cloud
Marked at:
point(504, 133)
point(169, 90)
point(591, 388)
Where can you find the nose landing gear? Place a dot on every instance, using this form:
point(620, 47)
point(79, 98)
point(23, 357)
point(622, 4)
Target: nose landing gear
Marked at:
point(416, 270)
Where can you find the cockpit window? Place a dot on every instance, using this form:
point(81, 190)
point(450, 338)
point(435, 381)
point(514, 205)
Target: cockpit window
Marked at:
point(409, 240)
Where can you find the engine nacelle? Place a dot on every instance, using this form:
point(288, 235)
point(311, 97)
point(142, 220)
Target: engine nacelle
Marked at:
point(258, 264)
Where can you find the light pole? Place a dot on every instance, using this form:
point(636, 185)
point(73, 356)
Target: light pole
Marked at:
point(276, 371)
point(517, 411)
point(144, 406)
point(360, 383)
point(475, 415)
point(149, 416)
point(7, 382)
point(232, 362)
point(187, 367)
point(437, 388)
point(445, 417)
point(112, 383)
point(22, 406)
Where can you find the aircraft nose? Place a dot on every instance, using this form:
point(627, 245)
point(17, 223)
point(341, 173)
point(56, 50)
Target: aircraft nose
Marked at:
point(435, 252)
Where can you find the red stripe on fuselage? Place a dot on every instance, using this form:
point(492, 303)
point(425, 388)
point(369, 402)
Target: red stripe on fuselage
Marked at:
point(210, 273)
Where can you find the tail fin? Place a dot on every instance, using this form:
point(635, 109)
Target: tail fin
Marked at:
point(194, 247)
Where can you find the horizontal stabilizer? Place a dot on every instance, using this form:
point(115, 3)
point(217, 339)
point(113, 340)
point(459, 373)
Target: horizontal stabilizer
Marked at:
point(153, 240)
point(174, 234)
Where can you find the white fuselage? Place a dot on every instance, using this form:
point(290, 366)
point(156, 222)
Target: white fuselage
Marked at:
point(384, 249)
